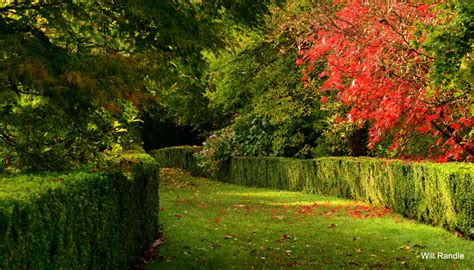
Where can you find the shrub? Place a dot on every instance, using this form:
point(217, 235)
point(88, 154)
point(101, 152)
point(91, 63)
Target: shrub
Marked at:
point(83, 220)
point(434, 193)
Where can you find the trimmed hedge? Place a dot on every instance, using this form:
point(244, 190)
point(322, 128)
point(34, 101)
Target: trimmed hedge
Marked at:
point(179, 157)
point(434, 193)
point(81, 220)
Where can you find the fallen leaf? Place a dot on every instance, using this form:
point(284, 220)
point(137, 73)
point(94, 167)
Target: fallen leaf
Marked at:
point(405, 247)
point(178, 215)
point(217, 220)
point(278, 217)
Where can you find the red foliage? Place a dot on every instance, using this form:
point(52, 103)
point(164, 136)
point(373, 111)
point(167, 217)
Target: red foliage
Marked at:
point(378, 69)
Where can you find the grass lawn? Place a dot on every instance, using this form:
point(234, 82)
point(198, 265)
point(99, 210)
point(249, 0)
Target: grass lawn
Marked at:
point(212, 225)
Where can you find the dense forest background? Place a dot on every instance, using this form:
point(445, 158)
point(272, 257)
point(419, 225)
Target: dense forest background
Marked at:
point(83, 80)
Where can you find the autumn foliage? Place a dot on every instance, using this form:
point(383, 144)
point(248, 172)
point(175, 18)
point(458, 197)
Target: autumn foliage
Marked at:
point(380, 67)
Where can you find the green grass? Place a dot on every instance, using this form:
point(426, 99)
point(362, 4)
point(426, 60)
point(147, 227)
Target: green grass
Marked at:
point(213, 225)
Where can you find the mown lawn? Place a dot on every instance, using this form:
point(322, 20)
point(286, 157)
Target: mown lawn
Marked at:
point(212, 225)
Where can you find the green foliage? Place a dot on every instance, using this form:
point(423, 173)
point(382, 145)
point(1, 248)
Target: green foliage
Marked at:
point(79, 61)
point(80, 220)
point(451, 45)
point(251, 137)
point(438, 194)
point(40, 135)
point(258, 86)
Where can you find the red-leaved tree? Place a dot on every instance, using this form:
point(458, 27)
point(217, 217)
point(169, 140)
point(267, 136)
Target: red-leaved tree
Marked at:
point(376, 65)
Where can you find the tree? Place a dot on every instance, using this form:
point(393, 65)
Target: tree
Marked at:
point(383, 63)
point(87, 62)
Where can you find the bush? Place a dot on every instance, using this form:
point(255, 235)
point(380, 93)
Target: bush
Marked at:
point(434, 193)
point(81, 220)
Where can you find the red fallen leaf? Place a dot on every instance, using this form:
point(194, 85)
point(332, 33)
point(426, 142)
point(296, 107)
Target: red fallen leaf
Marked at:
point(305, 210)
point(326, 204)
point(283, 206)
point(205, 206)
point(274, 211)
point(222, 213)
point(217, 220)
point(162, 209)
point(178, 215)
point(315, 205)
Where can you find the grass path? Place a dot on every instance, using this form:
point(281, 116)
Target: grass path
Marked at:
point(212, 225)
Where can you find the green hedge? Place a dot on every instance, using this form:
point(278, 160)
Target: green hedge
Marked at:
point(81, 220)
point(178, 157)
point(435, 193)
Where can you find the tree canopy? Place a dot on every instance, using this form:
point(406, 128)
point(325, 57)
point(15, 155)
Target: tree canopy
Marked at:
point(69, 70)
point(273, 77)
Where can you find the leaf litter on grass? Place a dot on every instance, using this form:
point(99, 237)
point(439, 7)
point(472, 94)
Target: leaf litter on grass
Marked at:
point(228, 226)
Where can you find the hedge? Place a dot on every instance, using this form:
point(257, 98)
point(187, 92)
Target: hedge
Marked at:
point(178, 157)
point(82, 220)
point(434, 193)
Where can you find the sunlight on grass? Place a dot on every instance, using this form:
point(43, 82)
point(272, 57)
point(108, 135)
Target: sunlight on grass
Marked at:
point(213, 225)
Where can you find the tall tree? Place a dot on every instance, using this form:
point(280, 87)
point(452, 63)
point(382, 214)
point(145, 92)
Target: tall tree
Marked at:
point(396, 66)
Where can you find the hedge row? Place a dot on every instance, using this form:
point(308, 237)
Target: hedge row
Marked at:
point(81, 220)
point(179, 157)
point(434, 193)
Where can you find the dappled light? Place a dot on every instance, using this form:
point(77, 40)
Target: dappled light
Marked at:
point(254, 227)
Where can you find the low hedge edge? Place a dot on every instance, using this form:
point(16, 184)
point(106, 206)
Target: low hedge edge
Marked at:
point(100, 220)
